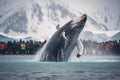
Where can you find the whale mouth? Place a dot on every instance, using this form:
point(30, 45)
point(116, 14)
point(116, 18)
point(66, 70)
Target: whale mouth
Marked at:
point(84, 17)
point(77, 25)
point(79, 21)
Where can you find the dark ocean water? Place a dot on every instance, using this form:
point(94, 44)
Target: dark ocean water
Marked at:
point(30, 70)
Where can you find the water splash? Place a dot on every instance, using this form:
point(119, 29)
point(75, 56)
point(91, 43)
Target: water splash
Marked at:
point(39, 53)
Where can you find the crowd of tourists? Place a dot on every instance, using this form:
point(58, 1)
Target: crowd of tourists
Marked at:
point(20, 47)
point(104, 48)
point(31, 47)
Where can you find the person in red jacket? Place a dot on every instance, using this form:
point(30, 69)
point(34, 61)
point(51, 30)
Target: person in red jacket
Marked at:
point(2, 47)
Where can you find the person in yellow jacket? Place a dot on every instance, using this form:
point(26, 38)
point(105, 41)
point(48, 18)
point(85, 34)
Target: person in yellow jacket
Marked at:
point(23, 48)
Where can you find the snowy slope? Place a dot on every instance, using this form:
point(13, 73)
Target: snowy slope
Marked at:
point(39, 17)
point(105, 13)
point(33, 17)
point(6, 38)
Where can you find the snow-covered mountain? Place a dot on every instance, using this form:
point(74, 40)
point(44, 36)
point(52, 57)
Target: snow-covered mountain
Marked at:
point(39, 17)
point(104, 13)
point(32, 17)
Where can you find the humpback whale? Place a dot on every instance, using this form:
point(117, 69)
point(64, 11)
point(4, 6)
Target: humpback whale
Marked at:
point(64, 40)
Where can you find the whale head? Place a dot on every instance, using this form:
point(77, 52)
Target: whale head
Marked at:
point(74, 27)
point(77, 26)
point(71, 33)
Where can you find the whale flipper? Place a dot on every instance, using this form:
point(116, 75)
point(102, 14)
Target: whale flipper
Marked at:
point(79, 47)
point(63, 35)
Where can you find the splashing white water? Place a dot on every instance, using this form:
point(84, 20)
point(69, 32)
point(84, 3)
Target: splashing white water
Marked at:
point(39, 53)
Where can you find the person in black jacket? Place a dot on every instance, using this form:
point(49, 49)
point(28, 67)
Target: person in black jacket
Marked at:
point(9, 47)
